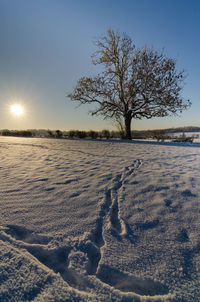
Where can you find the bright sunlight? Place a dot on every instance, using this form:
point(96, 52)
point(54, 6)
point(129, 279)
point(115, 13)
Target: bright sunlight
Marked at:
point(17, 110)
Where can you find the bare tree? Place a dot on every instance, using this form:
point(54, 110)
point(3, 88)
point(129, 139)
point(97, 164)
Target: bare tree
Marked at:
point(134, 83)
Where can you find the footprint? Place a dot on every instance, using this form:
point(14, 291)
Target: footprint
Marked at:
point(114, 216)
point(130, 235)
point(93, 253)
point(127, 283)
point(187, 260)
point(55, 259)
point(93, 247)
point(25, 235)
point(147, 225)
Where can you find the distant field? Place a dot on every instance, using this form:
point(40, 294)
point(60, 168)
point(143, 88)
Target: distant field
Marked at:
point(195, 134)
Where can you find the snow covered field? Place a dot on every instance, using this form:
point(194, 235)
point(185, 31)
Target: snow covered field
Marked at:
point(88, 220)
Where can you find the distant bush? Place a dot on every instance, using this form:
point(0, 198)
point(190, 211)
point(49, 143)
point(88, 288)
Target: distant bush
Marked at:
point(81, 134)
point(25, 133)
point(93, 134)
point(50, 133)
point(71, 133)
point(76, 134)
point(105, 134)
point(58, 133)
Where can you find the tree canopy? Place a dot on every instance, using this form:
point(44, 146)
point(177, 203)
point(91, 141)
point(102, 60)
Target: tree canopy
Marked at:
point(135, 83)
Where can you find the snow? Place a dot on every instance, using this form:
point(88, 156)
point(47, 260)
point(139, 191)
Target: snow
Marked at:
point(85, 220)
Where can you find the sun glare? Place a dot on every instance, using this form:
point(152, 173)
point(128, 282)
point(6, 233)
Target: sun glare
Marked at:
point(16, 109)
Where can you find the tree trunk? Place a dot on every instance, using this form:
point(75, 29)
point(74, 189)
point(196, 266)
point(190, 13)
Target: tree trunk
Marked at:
point(127, 121)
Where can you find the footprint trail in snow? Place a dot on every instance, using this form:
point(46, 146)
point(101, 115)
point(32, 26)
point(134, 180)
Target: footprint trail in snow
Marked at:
point(82, 256)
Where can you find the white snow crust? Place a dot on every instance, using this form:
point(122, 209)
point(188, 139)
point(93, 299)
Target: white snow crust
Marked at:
point(85, 220)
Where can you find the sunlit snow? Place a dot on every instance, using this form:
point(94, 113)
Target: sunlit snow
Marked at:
point(85, 220)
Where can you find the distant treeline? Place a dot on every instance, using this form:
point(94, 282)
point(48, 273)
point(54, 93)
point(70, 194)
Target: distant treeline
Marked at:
point(62, 134)
point(104, 134)
point(183, 129)
point(21, 133)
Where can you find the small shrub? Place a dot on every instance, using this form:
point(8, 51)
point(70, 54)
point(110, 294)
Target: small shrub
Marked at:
point(159, 135)
point(105, 134)
point(71, 133)
point(50, 133)
point(93, 134)
point(24, 133)
point(58, 133)
point(81, 134)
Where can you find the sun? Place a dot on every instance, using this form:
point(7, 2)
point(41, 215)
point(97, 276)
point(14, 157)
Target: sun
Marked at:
point(17, 109)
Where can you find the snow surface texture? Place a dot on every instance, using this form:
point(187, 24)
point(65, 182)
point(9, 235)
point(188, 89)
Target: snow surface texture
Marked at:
point(99, 221)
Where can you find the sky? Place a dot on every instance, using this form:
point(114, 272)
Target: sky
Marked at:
point(46, 46)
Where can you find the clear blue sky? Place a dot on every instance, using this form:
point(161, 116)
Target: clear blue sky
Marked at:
point(45, 47)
